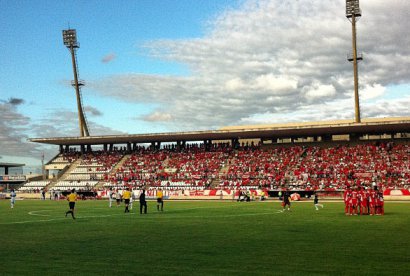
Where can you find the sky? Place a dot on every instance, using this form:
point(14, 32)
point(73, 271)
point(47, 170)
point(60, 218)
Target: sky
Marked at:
point(185, 65)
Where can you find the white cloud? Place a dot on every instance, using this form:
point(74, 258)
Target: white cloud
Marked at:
point(15, 130)
point(320, 91)
point(157, 117)
point(387, 108)
point(273, 57)
point(372, 91)
point(234, 84)
point(274, 83)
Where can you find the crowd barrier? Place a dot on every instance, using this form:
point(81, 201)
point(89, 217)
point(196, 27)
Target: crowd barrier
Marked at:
point(255, 194)
point(221, 194)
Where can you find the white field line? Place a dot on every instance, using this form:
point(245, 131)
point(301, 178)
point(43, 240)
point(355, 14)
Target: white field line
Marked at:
point(155, 217)
point(34, 213)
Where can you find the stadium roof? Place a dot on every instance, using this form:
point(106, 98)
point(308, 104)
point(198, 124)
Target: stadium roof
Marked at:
point(11, 165)
point(367, 126)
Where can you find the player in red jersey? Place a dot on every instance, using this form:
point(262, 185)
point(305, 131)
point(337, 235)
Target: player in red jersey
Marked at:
point(367, 196)
point(346, 197)
point(359, 200)
point(363, 202)
point(372, 201)
point(380, 200)
point(353, 202)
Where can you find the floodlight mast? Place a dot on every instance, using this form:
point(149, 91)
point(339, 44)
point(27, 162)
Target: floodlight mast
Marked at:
point(70, 41)
point(353, 12)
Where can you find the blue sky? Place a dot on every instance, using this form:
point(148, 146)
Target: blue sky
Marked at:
point(36, 64)
point(173, 65)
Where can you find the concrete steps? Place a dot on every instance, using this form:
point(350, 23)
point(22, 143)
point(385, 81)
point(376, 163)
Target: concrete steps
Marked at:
point(101, 183)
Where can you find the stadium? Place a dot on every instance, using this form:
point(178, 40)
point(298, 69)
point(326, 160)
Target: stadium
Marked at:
point(222, 193)
point(220, 163)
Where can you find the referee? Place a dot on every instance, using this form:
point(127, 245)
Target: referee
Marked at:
point(160, 200)
point(143, 202)
point(126, 195)
point(71, 198)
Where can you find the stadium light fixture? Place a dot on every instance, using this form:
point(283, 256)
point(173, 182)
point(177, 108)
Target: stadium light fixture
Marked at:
point(70, 41)
point(353, 8)
point(353, 12)
point(70, 38)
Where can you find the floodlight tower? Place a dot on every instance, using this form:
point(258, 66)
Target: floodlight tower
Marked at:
point(70, 41)
point(353, 13)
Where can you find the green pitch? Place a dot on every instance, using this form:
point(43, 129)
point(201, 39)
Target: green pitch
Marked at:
point(202, 238)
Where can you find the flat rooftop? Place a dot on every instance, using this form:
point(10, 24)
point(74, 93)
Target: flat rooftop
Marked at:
point(11, 165)
point(373, 126)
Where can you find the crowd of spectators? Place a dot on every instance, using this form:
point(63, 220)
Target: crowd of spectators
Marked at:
point(196, 166)
point(142, 168)
point(171, 167)
point(325, 168)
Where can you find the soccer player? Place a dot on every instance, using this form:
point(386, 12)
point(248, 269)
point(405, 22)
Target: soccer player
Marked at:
point(110, 197)
point(316, 202)
point(143, 202)
point(286, 200)
point(118, 198)
point(71, 198)
point(126, 195)
point(380, 203)
point(12, 198)
point(160, 200)
point(132, 199)
point(372, 201)
point(353, 202)
point(363, 202)
point(367, 195)
point(346, 197)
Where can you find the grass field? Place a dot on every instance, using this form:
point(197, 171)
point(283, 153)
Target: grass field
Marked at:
point(202, 238)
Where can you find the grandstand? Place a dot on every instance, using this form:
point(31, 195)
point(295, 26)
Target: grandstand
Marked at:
point(11, 176)
point(34, 186)
point(323, 156)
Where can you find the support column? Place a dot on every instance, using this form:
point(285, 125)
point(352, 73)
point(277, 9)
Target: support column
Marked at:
point(354, 137)
point(128, 147)
point(235, 143)
point(327, 138)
